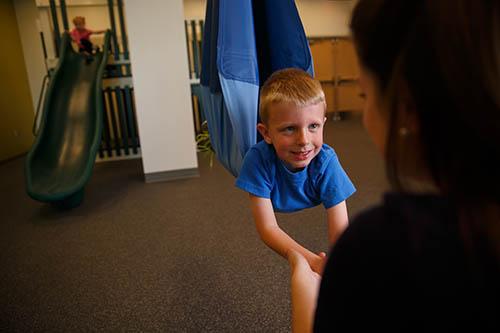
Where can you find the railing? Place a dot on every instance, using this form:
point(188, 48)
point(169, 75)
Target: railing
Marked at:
point(194, 37)
point(121, 57)
point(120, 134)
point(41, 98)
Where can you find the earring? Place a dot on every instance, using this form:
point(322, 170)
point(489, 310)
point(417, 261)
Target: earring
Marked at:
point(403, 131)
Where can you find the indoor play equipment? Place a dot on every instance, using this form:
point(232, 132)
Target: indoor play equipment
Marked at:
point(61, 160)
point(244, 42)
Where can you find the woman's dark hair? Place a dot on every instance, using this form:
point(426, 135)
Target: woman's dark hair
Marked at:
point(446, 56)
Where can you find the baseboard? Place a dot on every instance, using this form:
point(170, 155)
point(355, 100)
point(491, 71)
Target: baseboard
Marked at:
point(165, 176)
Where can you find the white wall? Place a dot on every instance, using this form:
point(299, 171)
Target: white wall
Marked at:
point(27, 16)
point(319, 17)
point(161, 84)
point(325, 17)
point(46, 27)
point(194, 9)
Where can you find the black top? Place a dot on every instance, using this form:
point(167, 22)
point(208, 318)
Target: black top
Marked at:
point(402, 267)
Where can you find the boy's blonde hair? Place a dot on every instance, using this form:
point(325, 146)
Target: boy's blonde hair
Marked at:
point(78, 19)
point(289, 86)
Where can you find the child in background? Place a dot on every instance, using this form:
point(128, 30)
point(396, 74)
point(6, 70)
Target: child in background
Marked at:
point(81, 35)
point(292, 169)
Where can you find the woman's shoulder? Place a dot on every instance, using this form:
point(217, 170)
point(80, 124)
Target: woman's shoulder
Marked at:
point(409, 252)
point(396, 208)
point(384, 243)
point(400, 218)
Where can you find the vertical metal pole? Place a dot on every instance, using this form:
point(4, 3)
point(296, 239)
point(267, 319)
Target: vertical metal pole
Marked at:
point(200, 102)
point(44, 47)
point(123, 31)
point(130, 118)
point(55, 23)
point(196, 52)
point(114, 123)
point(186, 28)
point(106, 127)
point(122, 115)
point(200, 43)
point(64, 14)
point(111, 10)
point(134, 112)
point(195, 97)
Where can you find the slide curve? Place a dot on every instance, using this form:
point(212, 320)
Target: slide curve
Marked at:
point(62, 157)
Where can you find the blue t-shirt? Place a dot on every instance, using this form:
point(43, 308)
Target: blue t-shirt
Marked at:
point(264, 175)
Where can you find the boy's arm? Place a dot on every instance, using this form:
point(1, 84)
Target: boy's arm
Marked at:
point(277, 239)
point(337, 221)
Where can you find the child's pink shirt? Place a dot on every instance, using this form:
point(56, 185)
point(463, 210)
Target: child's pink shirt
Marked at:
point(78, 35)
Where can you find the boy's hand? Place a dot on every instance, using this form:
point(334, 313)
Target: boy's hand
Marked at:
point(318, 263)
point(302, 275)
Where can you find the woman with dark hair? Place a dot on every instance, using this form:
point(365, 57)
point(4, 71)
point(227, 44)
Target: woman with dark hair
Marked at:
point(427, 258)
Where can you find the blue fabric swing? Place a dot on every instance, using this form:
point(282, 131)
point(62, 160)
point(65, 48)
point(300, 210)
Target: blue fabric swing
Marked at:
point(244, 42)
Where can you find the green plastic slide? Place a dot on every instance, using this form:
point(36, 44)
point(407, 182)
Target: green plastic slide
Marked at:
point(61, 160)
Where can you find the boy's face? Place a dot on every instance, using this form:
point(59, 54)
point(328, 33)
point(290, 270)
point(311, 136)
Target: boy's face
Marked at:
point(296, 133)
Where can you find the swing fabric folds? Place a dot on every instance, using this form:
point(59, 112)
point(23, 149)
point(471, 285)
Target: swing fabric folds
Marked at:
point(244, 42)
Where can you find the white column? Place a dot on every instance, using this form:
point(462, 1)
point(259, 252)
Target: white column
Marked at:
point(162, 92)
point(27, 18)
point(325, 18)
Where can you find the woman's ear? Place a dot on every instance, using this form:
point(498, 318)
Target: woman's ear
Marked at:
point(264, 131)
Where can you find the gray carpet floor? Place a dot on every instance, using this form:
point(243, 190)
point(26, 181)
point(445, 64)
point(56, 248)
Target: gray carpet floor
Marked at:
point(179, 256)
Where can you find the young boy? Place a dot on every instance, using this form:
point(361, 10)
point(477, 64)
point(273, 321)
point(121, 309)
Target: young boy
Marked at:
point(81, 35)
point(291, 169)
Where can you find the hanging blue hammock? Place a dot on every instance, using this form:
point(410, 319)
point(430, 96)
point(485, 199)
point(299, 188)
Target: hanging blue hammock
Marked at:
point(244, 42)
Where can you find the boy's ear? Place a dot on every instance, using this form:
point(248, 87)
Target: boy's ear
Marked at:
point(264, 131)
point(324, 120)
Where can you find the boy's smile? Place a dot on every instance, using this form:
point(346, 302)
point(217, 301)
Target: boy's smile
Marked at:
point(295, 132)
